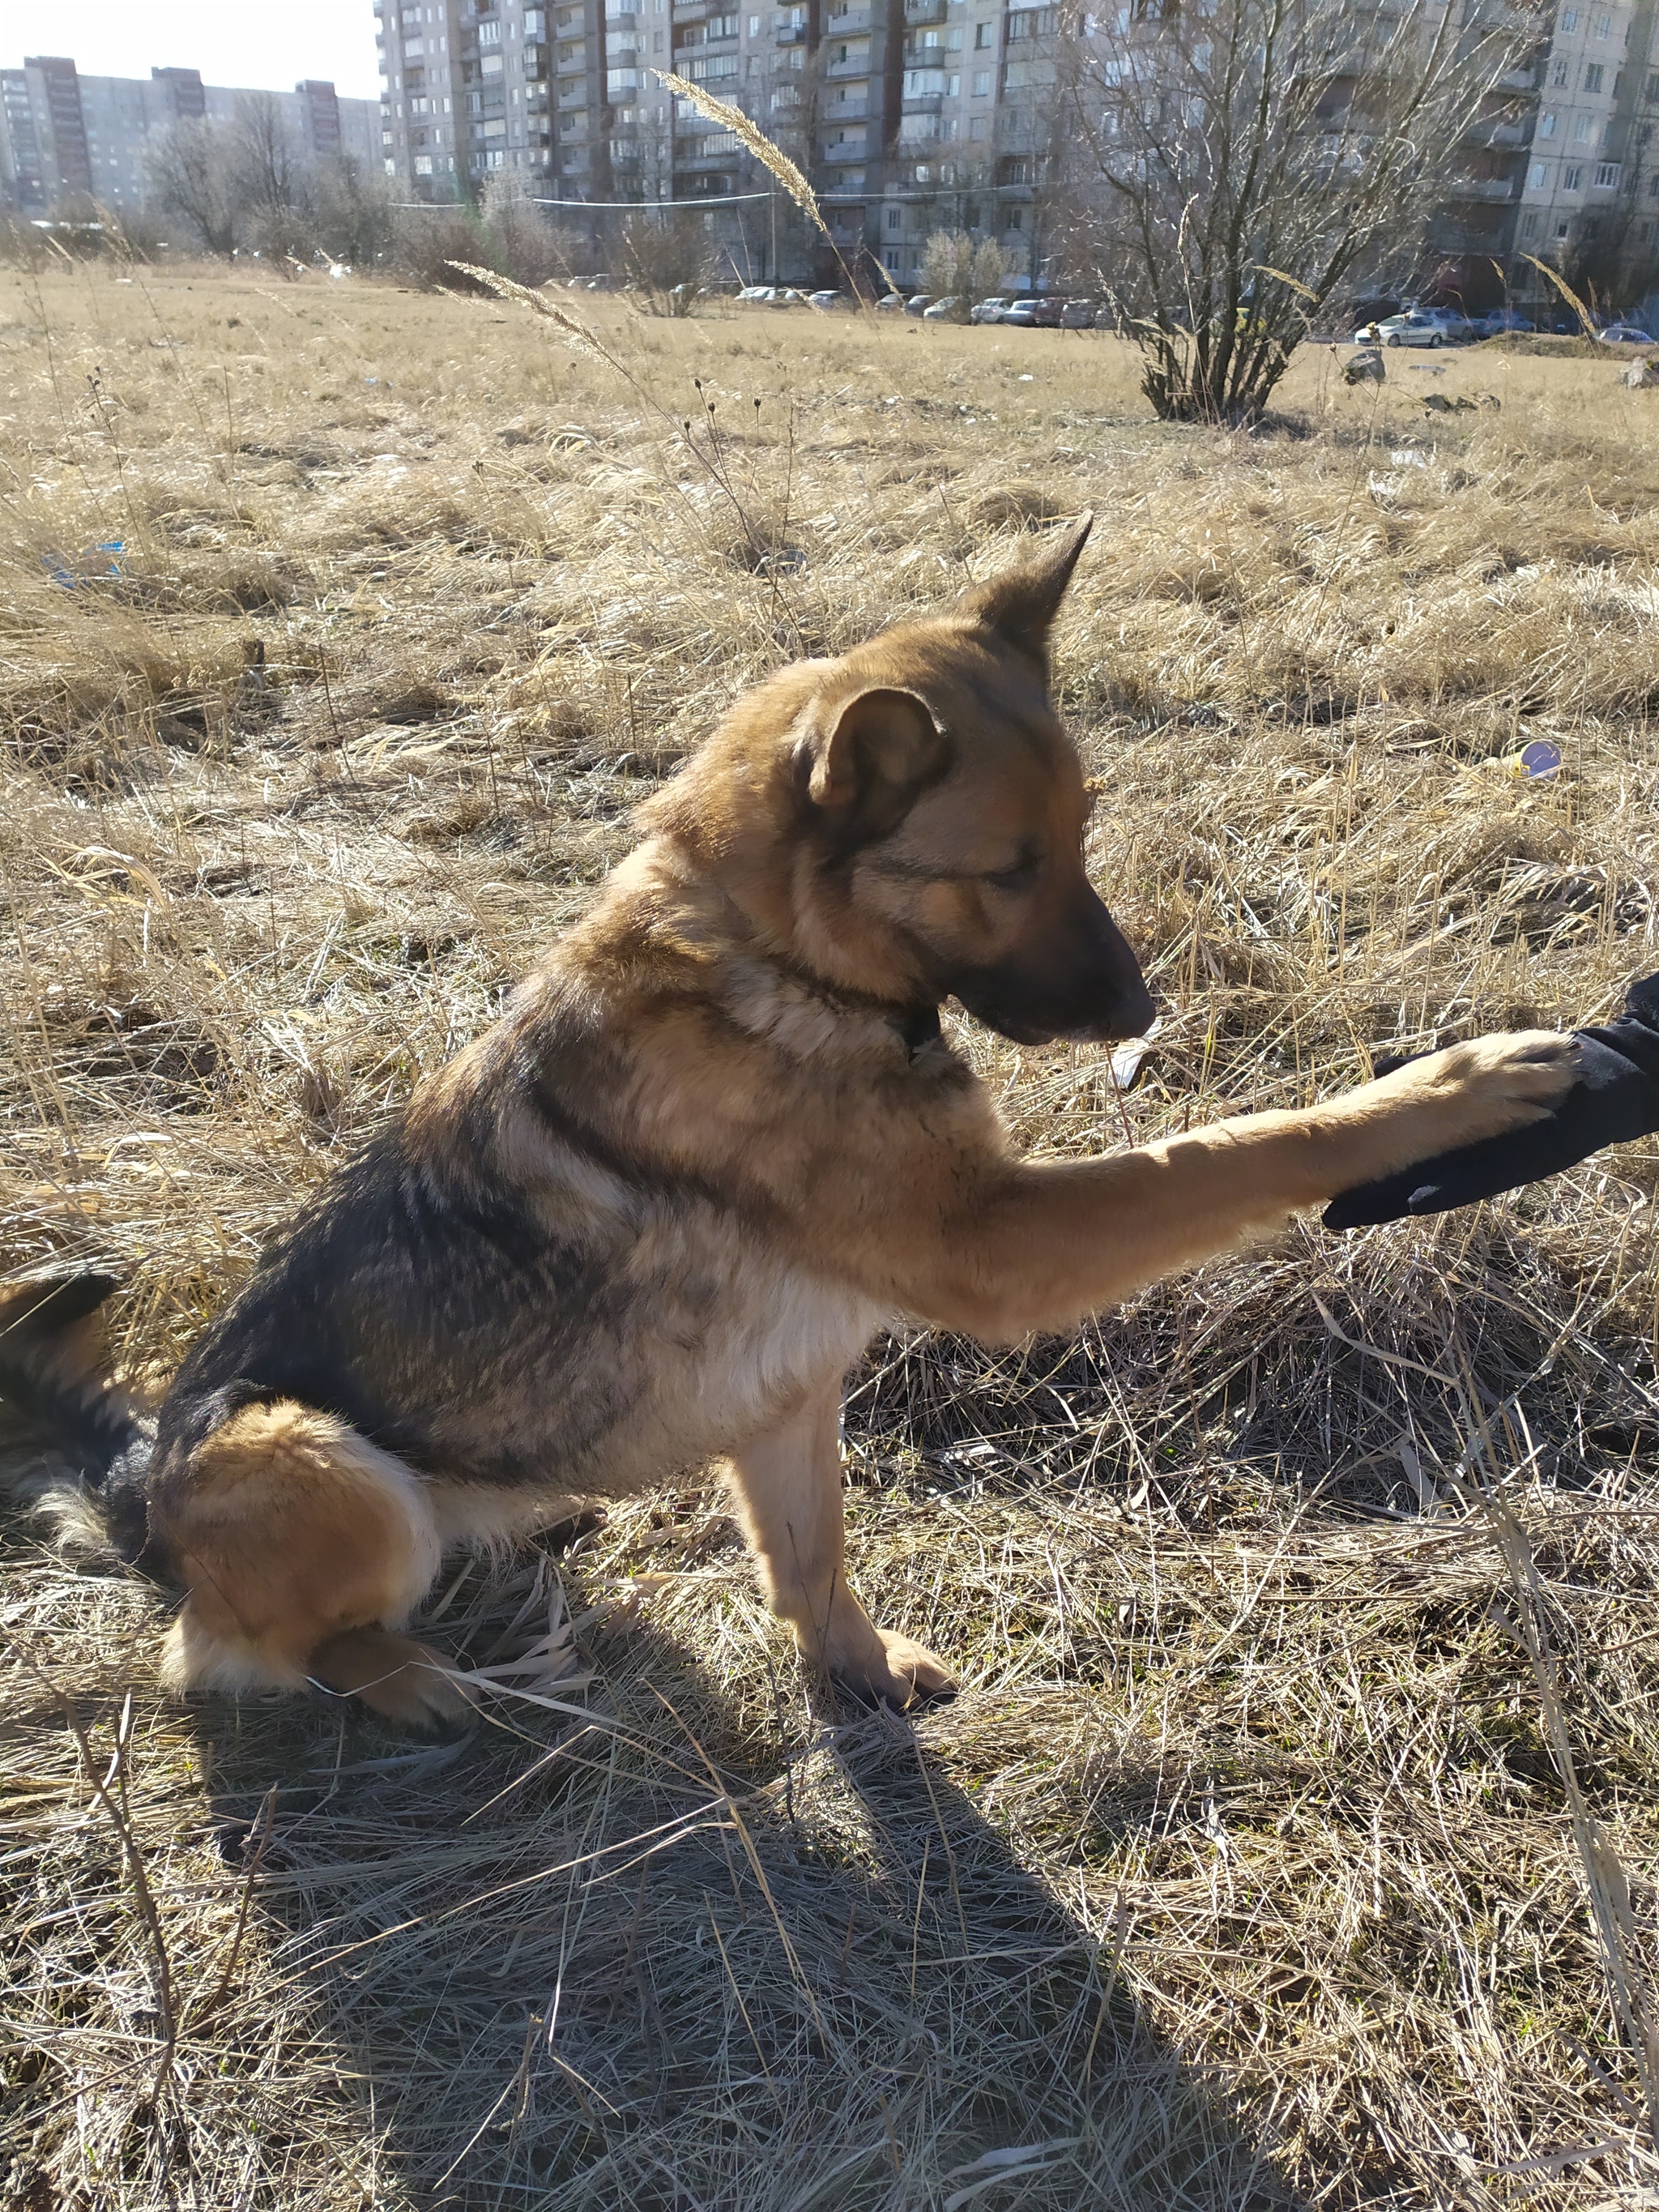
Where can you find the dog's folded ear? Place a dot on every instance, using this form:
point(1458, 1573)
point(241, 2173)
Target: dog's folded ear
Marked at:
point(1020, 605)
point(868, 758)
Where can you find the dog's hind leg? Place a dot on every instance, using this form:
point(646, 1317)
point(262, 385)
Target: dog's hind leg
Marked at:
point(302, 1548)
point(787, 1485)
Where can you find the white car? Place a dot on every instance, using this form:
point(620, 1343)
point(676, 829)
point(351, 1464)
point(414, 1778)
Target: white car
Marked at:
point(825, 302)
point(989, 311)
point(941, 311)
point(1425, 326)
point(755, 295)
point(893, 304)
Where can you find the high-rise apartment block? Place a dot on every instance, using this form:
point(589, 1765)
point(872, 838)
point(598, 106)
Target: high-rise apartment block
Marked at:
point(67, 139)
point(1589, 176)
point(906, 115)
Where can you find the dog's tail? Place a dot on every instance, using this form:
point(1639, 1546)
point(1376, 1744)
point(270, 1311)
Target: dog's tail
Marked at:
point(49, 1376)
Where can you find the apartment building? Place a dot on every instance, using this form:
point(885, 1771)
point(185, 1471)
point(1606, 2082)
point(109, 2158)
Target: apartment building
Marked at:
point(1590, 190)
point(465, 90)
point(906, 115)
point(911, 116)
point(66, 138)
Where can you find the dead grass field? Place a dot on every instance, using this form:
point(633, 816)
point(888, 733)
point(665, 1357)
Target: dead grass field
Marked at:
point(1294, 1838)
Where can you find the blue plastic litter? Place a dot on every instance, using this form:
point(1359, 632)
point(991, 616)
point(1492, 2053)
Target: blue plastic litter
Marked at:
point(97, 563)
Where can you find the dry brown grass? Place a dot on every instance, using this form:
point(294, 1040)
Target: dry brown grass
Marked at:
point(1243, 1871)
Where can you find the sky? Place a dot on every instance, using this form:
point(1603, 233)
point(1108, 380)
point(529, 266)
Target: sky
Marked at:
point(267, 47)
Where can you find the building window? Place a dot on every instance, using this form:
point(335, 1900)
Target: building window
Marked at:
point(1547, 124)
point(981, 83)
point(1529, 226)
point(489, 34)
point(1607, 177)
point(1561, 232)
point(1644, 233)
point(1016, 218)
point(1593, 78)
point(1538, 176)
point(1653, 187)
point(1603, 26)
point(1570, 19)
point(1559, 75)
point(982, 35)
point(1572, 179)
point(894, 218)
point(1652, 93)
point(977, 128)
point(1580, 130)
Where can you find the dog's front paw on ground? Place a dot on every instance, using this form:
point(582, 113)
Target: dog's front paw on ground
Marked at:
point(406, 1683)
point(1491, 1084)
point(898, 1673)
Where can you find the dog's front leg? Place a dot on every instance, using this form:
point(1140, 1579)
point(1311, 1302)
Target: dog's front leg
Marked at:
point(787, 1485)
point(1022, 1245)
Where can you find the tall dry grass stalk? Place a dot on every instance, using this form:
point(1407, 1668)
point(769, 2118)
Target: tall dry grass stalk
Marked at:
point(748, 132)
point(1251, 1867)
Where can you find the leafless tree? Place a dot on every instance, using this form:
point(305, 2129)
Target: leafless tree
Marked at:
point(191, 173)
point(1232, 162)
point(269, 176)
point(954, 267)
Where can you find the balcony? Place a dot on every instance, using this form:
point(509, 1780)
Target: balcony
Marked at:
point(1494, 189)
point(1516, 79)
point(924, 11)
point(573, 96)
point(856, 110)
point(1498, 135)
point(786, 34)
point(922, 103)
point(572, 66)
point(624, 55)
point(623, 19)
point(856, 64)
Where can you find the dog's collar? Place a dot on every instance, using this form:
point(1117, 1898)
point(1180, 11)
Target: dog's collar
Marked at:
point(918, 1028)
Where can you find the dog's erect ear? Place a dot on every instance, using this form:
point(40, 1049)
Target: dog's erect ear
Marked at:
point(1020, 606)
point(869, 756)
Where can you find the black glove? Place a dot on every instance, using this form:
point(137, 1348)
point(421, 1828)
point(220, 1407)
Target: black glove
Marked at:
point(1615, 1099)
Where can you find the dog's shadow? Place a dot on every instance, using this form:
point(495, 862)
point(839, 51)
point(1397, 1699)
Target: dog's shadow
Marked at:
point(606, 1963)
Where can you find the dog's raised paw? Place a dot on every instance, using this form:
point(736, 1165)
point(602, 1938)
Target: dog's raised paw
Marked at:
point(1492, 1083)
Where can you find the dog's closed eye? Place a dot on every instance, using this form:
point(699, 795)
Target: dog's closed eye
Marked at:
point(1018, 876)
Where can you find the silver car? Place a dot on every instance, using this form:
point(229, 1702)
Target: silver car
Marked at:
point(1426, 326)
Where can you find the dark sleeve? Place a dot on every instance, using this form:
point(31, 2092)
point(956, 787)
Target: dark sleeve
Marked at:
point(1615, 1099)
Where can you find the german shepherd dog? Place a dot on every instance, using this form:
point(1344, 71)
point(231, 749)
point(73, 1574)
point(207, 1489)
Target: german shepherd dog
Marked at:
point(715, 1141)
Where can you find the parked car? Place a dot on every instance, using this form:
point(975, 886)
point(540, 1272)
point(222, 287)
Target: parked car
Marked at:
point(787, 296)
point(1500, 320)
point(1022, 313)
point(755, 295)
point(1424, 326)
point(1624, 334)
point(942, 311)
point(918, 304)
point(891, 304)
point(825, 302)
point(1049, 313)
point(1078, 315)
point(990, 311)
